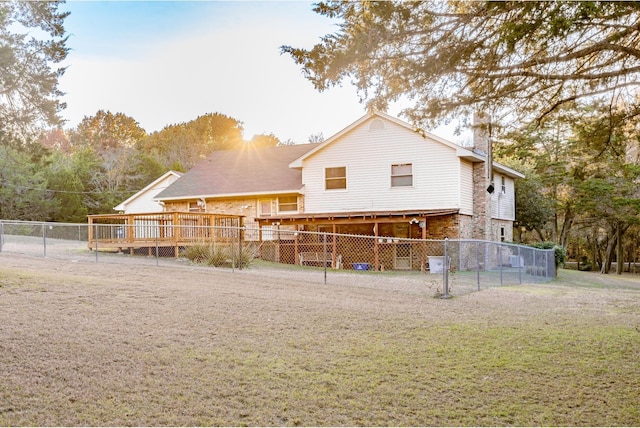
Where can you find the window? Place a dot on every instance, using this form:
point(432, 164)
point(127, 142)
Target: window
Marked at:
point(504, 186)
point(268, 233)
point(402, 175)
point(194, 207)
point(287, 203)
point(265, 207)
point(335, 178)
point(502, 233)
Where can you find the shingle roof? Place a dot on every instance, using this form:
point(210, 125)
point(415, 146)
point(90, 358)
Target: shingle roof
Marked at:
point(245, 171)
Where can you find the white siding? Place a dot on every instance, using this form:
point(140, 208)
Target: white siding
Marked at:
point(503, 204)
point(144, 203)
point(466, 188)
point(368, 156)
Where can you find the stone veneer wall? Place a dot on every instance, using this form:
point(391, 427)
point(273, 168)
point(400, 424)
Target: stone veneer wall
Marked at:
point(246, 207)
point(443, 227)
point(466, 226)
point(453, 226)
point(481, 179)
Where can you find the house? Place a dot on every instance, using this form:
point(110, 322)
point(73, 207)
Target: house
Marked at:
point(379, 176)
point(143, 201)
point(249, 181)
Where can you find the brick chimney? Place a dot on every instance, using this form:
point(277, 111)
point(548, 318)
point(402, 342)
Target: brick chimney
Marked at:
point(482, 177)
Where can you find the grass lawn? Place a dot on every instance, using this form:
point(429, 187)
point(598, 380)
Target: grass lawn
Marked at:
point(84, 344)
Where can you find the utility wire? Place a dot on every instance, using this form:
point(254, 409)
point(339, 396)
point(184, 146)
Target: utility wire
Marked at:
point(73, 192)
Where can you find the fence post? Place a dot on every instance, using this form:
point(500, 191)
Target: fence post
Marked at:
point(445, 274)
point(478, 263)
point(44, 240)
point(519, 265)
point(1, 234)
point(324, 255)
point(500, 262)
point(240, 239)
point(233, 252)
point(95, 236)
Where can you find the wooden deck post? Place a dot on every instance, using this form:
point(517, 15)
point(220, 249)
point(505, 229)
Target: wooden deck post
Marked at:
point(334, 247)
point(91, 237)
point(176, 235)
point(423, 262)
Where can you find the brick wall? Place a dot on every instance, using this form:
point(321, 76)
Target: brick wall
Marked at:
point(481, 179)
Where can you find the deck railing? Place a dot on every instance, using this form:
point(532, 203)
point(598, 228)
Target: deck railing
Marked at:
point(166, 229)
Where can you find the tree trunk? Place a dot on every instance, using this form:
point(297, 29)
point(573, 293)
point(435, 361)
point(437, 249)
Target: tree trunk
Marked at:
point(595, 252)
point(539, 233)
point(608, 255)
point(619, 250)
point(566, 227)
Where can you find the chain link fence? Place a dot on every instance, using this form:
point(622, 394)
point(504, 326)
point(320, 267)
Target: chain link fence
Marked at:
point(434, 267)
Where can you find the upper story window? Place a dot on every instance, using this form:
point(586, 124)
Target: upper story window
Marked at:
point(194, 207)
point(504, 186)
point(288, 204)
point(402, 175)
point(335, 178)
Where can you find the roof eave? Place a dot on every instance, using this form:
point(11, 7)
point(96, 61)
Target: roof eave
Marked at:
point(229, 195)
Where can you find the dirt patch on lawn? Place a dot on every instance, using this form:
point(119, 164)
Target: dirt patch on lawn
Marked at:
point(106, 344)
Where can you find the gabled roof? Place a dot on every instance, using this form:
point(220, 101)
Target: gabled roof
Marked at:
point(245, 171)
point(461, 152)
point(297, 163)
point(122, 205)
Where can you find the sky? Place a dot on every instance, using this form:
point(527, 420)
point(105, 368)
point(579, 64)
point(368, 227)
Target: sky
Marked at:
point(168, 62)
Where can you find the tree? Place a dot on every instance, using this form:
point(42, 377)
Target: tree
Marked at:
point(316, 138)
point(28, 85)
point(608, 190)
point(525, 58)
point(67, 189)
point(106, 131)
point(56, 139)
point(264, 140)
point(108, 142)
point(584, 163)
point(535, 210)
point(24, 193)
point(183, 145)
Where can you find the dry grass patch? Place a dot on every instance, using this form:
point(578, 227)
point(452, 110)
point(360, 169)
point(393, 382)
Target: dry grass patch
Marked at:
point(90, 344)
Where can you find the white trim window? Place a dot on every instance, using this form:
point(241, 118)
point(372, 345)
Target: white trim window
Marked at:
point(335, 178)
point(287, 204)
point(402, 175)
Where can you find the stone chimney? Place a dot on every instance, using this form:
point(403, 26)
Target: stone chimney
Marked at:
point(482, 177)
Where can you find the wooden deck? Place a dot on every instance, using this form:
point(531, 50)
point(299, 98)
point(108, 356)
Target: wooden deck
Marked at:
point(165, 229)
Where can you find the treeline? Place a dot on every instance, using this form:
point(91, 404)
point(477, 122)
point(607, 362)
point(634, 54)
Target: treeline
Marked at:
point(583, 182)
point(65, 175)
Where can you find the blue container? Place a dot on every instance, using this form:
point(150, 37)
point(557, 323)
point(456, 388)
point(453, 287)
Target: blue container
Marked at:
point(361, 266)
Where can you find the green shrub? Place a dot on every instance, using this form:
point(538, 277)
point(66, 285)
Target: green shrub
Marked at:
point(560, 254)
point(217, 255)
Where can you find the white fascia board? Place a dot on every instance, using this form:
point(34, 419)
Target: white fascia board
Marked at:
point(122, 205)
point(507, 171)
point(229, 195)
